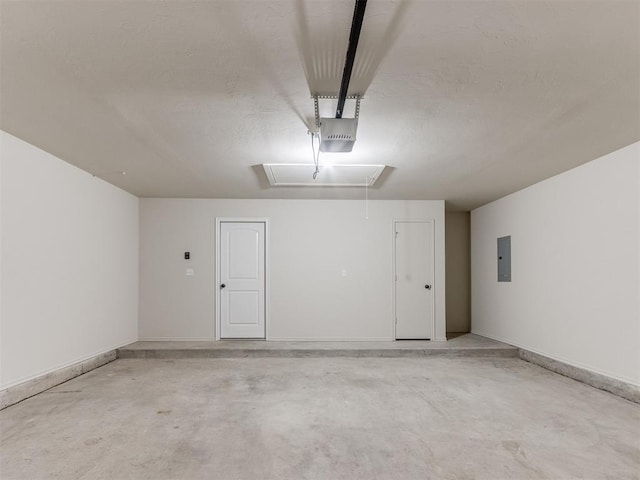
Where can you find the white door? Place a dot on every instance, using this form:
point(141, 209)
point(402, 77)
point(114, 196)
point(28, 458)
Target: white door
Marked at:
point(241, 280)
point(414, 289)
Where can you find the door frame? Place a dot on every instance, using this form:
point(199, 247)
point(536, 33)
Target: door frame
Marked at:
point(219, 222)
point(434, 286)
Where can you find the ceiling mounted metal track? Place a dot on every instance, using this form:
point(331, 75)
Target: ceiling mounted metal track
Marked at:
point(354, 36)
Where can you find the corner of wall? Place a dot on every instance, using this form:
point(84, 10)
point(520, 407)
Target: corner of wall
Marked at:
point(560, 228)
point(84, 260)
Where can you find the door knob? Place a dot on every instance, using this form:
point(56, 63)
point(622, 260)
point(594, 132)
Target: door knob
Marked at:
point(428, 287)
point(222, 286)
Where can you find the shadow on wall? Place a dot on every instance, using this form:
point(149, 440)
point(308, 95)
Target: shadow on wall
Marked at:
point(323, 55)
point(253, 47)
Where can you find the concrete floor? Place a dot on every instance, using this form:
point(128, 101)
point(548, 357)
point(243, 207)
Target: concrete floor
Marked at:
point(321, 418)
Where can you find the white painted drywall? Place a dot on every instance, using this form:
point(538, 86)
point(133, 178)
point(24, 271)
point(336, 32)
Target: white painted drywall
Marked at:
point(69, 263)
point(458, 261)
point(575, 244)
point(2, 152)
point(310, 243)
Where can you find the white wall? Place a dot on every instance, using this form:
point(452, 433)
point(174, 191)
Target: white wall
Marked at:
point(575, 244)
point(69, 258)
point(311, 241)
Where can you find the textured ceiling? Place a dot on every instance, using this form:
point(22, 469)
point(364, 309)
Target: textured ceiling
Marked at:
point(466, 101)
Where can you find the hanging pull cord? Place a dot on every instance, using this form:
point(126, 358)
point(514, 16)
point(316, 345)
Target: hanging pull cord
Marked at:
point(316, 155)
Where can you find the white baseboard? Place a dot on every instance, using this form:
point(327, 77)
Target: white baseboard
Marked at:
point(176, 339)
point(330, 339)
point(61, 366)
point(18, 392)
point(557, 358)
point(622, 389)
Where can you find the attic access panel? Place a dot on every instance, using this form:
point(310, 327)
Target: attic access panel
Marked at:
point(301, 175)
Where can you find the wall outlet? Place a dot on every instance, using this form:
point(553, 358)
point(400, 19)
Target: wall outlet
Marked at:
point(343, 272)
point(190, 272)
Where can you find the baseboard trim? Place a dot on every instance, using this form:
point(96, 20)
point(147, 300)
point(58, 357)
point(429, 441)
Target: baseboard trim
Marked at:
point(617, 387)
point(330, 339)
point(602, 381)
point(176, 339)
point(21, 391)
point(557, 357)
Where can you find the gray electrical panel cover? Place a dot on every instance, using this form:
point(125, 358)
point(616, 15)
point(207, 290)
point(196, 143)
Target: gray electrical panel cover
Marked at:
point(504, 259)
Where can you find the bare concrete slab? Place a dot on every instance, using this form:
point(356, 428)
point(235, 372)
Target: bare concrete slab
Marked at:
point(321, 418)
point(465, 345)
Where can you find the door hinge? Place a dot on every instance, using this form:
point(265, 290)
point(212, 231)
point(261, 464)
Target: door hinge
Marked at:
point(396, 278)
point(396, 321)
